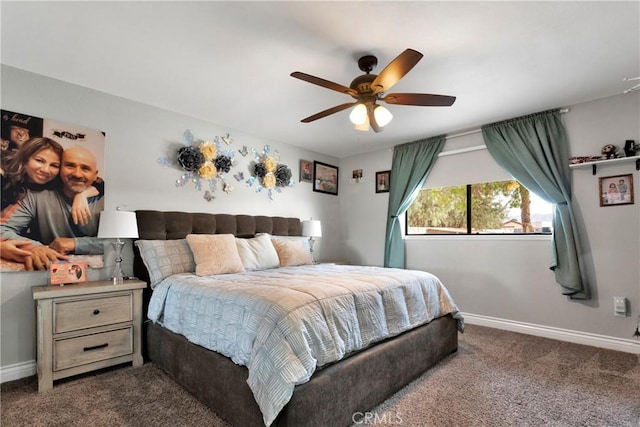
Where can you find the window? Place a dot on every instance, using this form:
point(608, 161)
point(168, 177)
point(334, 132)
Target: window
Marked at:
point(499, 207)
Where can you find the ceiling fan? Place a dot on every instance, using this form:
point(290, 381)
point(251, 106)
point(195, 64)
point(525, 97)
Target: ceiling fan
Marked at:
point(369, 89)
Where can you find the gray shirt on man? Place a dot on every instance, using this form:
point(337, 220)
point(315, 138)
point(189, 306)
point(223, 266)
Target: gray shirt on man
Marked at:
point(46, 215)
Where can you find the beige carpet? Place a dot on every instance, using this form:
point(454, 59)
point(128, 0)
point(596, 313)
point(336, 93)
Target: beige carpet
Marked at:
point(496, 378)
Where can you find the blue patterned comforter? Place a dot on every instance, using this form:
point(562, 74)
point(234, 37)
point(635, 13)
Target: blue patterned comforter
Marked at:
point(283, 323)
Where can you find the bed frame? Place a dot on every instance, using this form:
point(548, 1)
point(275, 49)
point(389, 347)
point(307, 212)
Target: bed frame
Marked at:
point(336, 395)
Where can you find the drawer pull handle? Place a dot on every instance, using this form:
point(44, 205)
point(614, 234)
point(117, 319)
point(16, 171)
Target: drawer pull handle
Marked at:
point(96, 311)
point(96, 347)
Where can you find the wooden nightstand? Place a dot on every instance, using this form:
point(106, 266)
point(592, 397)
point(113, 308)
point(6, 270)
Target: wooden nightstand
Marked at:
point(87, 326)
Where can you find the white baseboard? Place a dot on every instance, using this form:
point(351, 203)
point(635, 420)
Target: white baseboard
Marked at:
point(17, 371)
point(602, 341)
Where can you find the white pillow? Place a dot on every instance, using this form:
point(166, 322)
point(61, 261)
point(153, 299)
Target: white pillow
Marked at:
point(257, 253)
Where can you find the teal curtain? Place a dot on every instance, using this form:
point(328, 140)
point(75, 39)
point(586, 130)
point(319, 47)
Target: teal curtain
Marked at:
point(534, 149)
point(409, 169)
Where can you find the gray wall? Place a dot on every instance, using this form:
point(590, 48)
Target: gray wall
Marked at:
point(136, 136)
point(508, 277)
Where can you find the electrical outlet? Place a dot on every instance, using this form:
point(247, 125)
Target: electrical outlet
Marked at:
point(620, 306)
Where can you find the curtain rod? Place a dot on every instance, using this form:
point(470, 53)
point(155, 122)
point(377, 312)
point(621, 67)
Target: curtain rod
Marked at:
point(457, 135)
point(463, 150)
point(474, 147)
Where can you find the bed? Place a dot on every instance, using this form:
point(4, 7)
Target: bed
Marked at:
point(367, 371)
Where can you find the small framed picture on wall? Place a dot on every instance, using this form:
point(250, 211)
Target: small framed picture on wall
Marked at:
point(306, 171)
point(616, 190)
point(382, 181)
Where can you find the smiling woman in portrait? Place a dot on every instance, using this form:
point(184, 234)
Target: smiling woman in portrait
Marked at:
point(34, 166)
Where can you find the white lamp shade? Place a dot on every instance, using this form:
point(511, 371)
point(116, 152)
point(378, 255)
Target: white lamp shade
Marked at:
point(382, 115)
point(364, 126)
point(312, 228)
point(117, 224)
point(359, 114)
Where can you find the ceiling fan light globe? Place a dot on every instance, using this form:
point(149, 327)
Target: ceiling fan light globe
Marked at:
point(382, 115)
point(358, 115)
point(364, 127)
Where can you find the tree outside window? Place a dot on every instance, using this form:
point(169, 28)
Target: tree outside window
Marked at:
point(502, 207)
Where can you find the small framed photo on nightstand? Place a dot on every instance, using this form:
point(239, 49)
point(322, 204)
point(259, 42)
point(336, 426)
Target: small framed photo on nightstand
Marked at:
point(64, 273)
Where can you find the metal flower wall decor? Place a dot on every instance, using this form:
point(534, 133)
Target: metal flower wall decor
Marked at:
point(268, 173)
point(203, 161)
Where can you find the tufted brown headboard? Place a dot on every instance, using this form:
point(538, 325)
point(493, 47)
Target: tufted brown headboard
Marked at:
point(160, 225)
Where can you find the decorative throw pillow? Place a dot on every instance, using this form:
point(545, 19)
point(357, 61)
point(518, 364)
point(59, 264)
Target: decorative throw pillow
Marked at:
point(165, 257)
point(215, 254)
point(257, 253)
point(292, 252)
point(302, 239)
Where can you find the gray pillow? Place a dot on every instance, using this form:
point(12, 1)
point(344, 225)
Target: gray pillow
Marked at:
point(166, 257)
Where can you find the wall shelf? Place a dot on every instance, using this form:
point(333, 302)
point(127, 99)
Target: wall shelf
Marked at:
point(593, 165)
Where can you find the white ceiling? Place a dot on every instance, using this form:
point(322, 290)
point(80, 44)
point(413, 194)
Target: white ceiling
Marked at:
point(229, 62)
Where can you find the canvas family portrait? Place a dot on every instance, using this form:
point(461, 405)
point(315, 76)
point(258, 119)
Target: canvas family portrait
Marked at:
point(52, 192)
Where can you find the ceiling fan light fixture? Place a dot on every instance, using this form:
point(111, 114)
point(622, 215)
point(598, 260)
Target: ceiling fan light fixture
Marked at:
point(363, 126)
point(382, 115)
point(358, 115)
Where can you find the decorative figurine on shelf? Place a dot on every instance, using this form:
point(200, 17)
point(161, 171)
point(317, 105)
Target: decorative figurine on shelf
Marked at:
point(609, 151)
point(630, 148)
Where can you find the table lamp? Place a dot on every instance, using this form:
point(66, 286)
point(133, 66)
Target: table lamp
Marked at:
point(116, 225)
point(312, 229)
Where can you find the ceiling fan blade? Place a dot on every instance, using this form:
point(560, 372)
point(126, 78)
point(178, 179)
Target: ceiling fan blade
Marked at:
point(396, 69)
point(372, 121)
point(328, 112)
point(420, 99)
point(324, 83)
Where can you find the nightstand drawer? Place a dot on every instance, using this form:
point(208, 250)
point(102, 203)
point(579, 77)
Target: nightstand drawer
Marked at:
point(71, 315)
point(71, 352)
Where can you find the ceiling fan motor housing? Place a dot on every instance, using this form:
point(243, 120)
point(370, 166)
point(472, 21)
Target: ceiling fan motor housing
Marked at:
point(362, 84)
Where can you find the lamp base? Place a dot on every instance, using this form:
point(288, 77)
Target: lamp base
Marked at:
point(311, 242)
point(117, 276)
